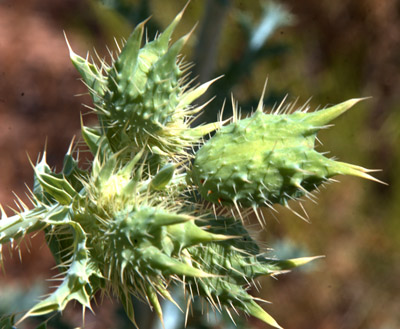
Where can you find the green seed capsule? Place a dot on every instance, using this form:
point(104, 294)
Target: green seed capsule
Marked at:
point(268, 159)
point(141, 99)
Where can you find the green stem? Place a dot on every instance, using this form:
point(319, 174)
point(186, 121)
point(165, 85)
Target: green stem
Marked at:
point(16, 226)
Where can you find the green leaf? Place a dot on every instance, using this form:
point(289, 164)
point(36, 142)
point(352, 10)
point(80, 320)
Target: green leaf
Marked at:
point(76, 283)
point(163, 177)
point(91, 75)
point(59, 188)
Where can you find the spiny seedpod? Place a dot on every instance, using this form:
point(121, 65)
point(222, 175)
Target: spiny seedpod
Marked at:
point(268, 158)
point(142, 99)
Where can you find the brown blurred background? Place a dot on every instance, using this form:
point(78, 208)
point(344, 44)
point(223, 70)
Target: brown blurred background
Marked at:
point(330, 50)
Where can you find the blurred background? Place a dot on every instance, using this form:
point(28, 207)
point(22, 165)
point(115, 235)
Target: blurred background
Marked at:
point(319, 51)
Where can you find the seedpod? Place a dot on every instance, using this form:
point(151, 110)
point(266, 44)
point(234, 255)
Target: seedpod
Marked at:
point(268, 158)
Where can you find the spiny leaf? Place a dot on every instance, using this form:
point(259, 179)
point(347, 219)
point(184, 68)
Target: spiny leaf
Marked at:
point(256, 310)
point(91, 75)
point(77, 278)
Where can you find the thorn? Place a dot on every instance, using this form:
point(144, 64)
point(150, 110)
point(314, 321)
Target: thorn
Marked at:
point(238, 209)
point(306, 219)
point(234, 110)
point(221, 113)
point(260, 106)
point(71, 52)
point(230, 315)
point(279, 108)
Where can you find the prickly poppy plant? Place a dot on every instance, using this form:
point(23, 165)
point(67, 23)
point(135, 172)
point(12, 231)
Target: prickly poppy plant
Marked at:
point(150, 213)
